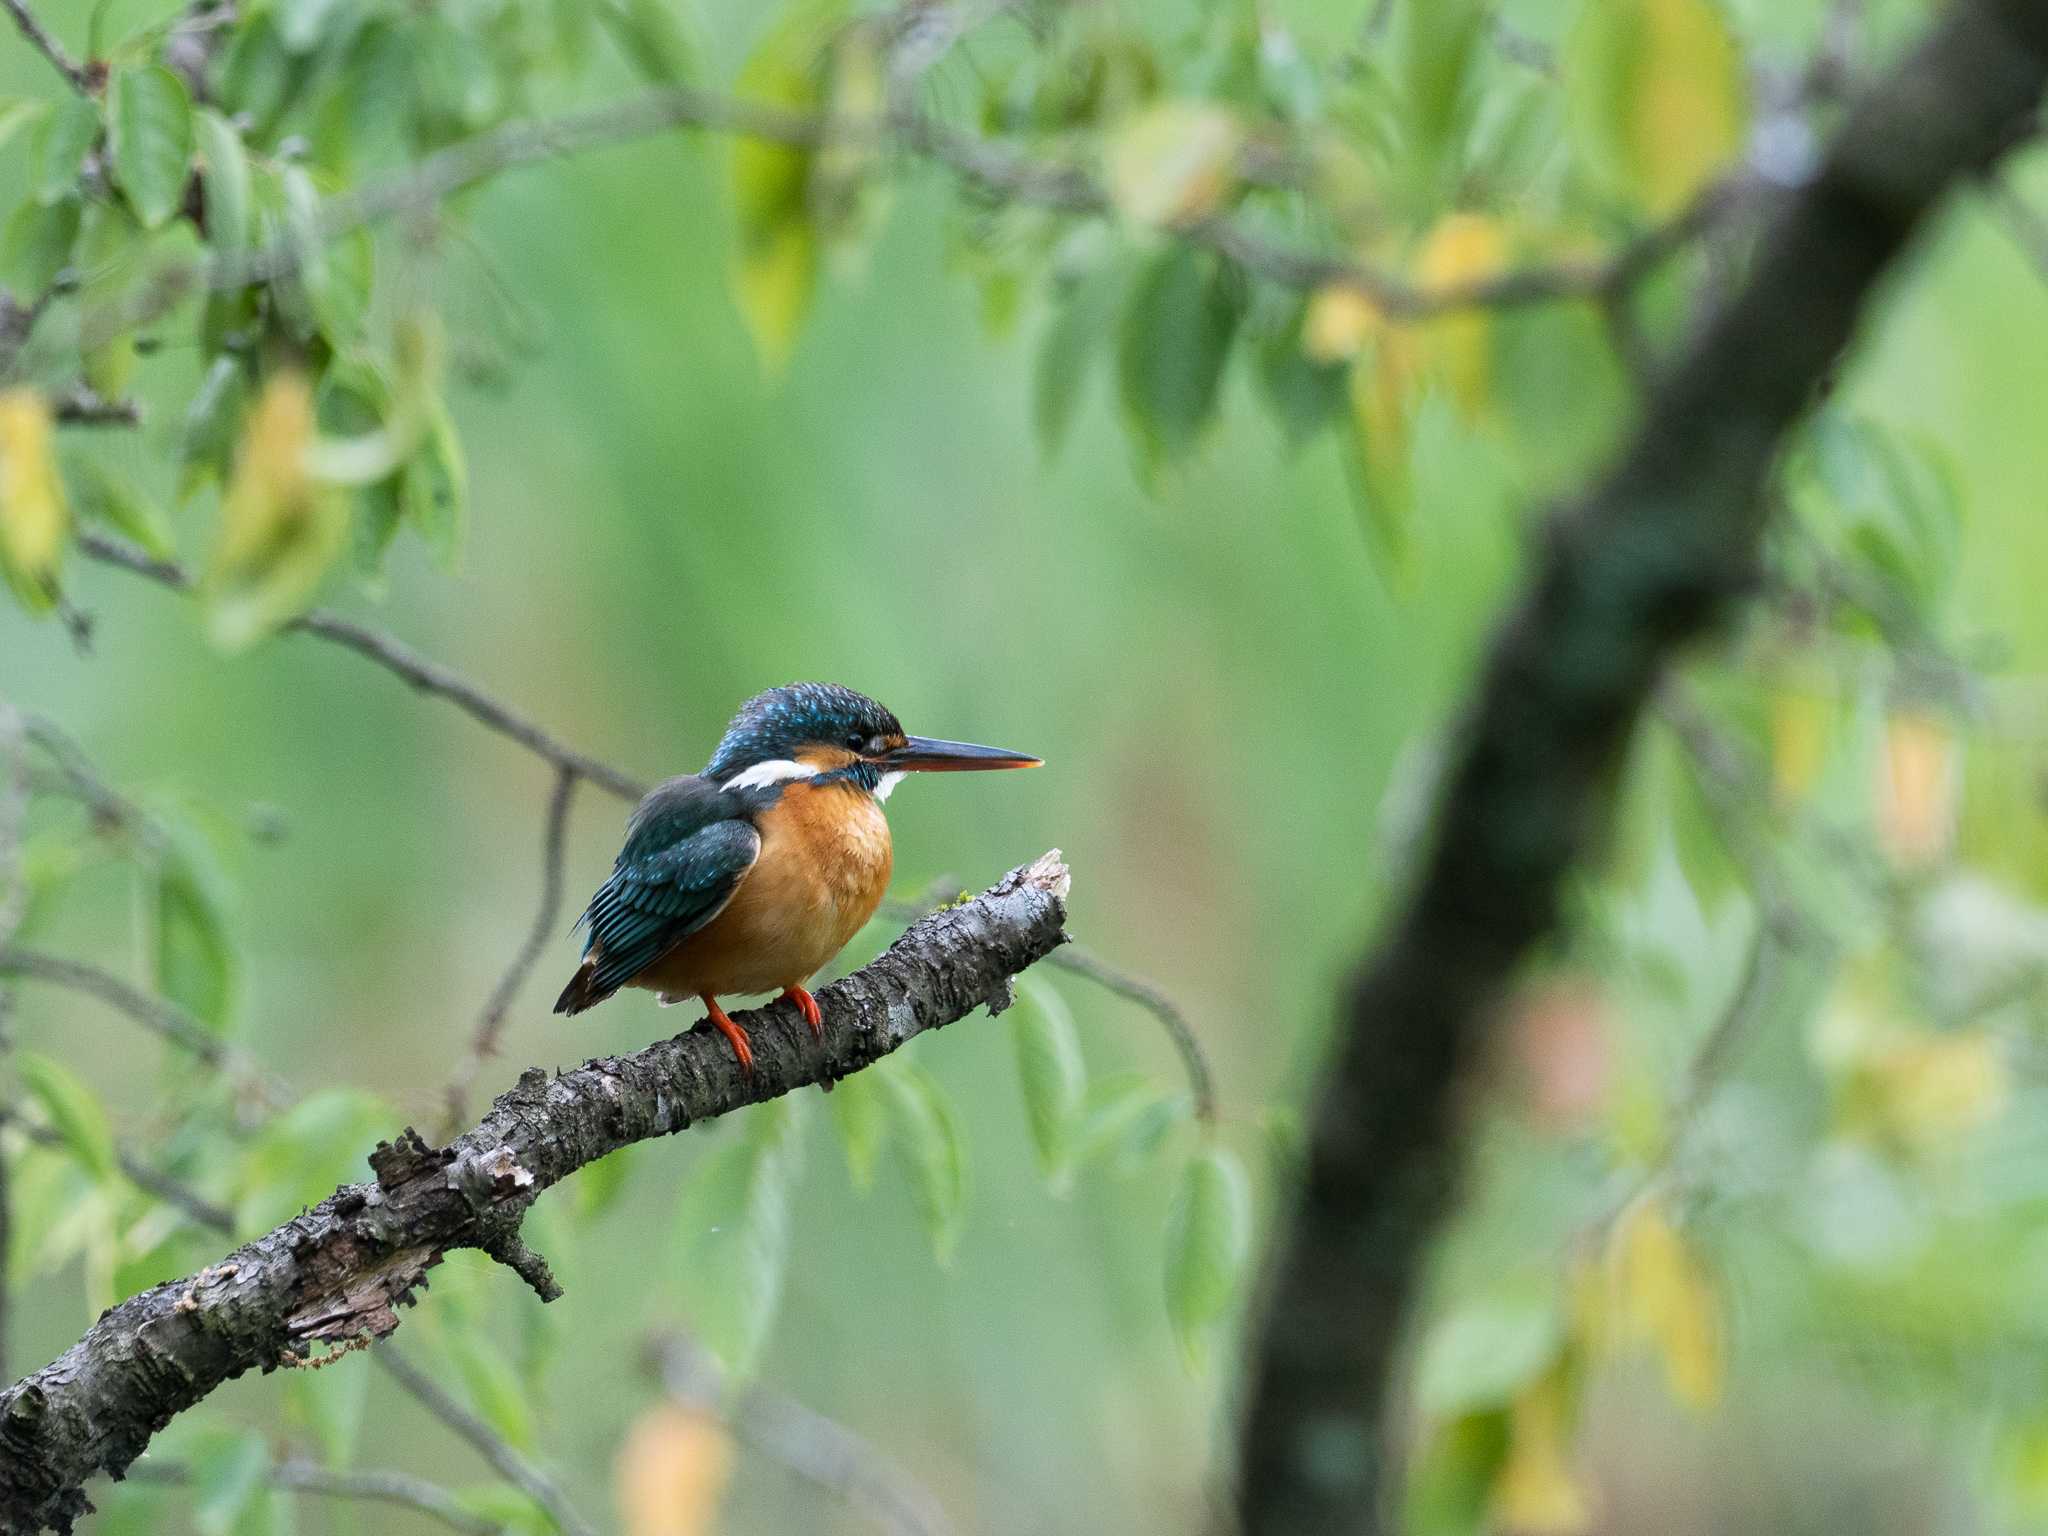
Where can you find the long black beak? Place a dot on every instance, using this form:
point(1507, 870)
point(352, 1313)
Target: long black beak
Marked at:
point(927, 755)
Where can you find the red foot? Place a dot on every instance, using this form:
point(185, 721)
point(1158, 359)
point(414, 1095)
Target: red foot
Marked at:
point(734, 1035)
point(807, 1005)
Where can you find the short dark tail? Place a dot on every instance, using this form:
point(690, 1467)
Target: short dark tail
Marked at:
point(583, 990)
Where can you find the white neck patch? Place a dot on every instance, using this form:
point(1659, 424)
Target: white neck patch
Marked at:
point(887, 783)
point(775, 771)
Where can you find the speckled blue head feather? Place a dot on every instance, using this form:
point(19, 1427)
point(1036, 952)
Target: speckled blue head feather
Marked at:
point(777, 723)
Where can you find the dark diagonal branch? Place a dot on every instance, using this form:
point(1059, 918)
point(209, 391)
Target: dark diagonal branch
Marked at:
point(157, 1015)
point(1647, 560)
point(547, 923)
point(340, 1272)
point(421, 672)
point(44, 42)
point(505, 1461)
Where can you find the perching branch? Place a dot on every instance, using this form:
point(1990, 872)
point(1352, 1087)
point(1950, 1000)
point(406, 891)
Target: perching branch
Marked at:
point(422, 672)
point(1646, 561)
point(339, 1272)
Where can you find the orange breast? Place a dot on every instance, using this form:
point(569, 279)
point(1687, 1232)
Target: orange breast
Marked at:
point(824, 867)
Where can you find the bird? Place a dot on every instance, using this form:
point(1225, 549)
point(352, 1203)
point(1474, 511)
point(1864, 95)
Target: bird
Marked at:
point(749, 877)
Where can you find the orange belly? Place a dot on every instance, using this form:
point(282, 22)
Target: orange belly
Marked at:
point(824, 867)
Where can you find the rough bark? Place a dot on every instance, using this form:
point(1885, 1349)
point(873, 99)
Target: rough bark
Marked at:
point(342, 1270)
point(1645, 562)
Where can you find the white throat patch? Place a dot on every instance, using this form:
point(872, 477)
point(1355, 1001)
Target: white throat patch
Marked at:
point(775, 771)
point(887, 783)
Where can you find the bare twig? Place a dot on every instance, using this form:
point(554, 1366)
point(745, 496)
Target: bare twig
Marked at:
point(817, 1449)
point(487, 1442)
point(83, 406)
point(43, 42)
point(14, 794)
point(1155, 1000)
point(547, 920)
point(421, 672)
point(158, 1015)
point(399, 1488)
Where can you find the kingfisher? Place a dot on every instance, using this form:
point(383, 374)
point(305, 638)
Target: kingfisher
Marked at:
point(750, 876)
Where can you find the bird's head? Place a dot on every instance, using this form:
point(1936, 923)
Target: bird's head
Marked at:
point(821, 731)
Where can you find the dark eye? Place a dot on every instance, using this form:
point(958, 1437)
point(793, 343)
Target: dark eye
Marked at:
point(855, 741)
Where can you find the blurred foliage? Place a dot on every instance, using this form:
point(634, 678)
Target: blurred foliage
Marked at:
point(1761, 1142)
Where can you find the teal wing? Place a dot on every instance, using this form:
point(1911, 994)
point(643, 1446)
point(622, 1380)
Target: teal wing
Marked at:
point(687, 849)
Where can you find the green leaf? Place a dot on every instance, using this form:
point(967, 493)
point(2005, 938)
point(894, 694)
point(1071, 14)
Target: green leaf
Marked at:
point(19, 116)
point(1307, 395)
point(1484, 1352)
point(195, 961)
point(775, 267)
point(1449, 1489)
point(301, 24)
point(106, 494)
point(213, 425)
point(67, 137)
point(931, 1142)
point(1443, 44)
point(72, 1110)
point(150, 127)
point(504, 1505)
point(1078, 331)
point(38, 244)
point(434, 487)
point(1114, 1108)
point(1208, 1240)
point(654, 39)
point(1053, 1076)
point(224, 173)
point(734, 1228)
point(1174, 342)
point(860, 1111)
point(258, 78)
point(299, 1157)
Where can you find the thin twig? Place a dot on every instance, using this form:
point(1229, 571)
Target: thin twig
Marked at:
point(399, 1488)
point(488, 1443)
point(108, 807)
point(154, 1181)
point(423, 673)
point(818, 1449)
point(1154, 999)
point(1082, 961)
point(83, 406)
point(44, 43)
point(992, 167)
point(547, 919)
point(158, 1015)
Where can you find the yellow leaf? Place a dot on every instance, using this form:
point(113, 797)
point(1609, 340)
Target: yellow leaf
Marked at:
point(1173, 163)
point(1660, 88)
point(280, 527)
point(34, 517)
point(1916, 789)
point(1799, 736)
point(1921, 1091)
point(1535, 1492)
point(672, 1471)
point(1337, 323)
point(1662, 1297)
point(1462, 249)
point(775, 265)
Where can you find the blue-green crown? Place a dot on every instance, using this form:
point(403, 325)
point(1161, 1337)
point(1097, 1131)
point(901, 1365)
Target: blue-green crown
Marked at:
point(777, 723)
